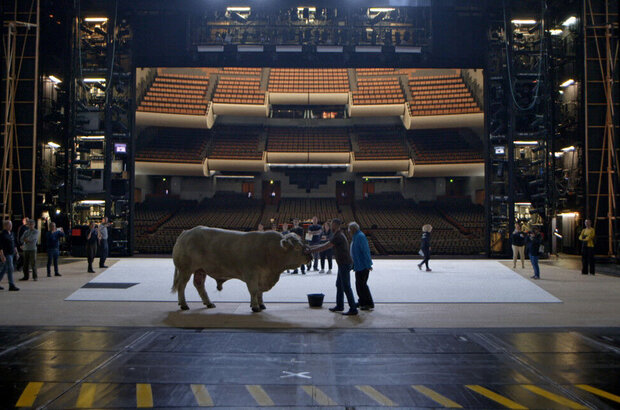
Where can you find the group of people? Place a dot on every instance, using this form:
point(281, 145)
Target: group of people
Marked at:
point(329, 241)
point(27, 239)
point(97, 237)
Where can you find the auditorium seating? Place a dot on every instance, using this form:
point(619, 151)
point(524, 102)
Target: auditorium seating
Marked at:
point(251, 71)
point(235, 143)
point(176, 94)
point(172, 145)
point(441, 146)
point(238, 90)
point(308, 140)
point(468, 215)
point(380, 143)
point(374, 71)
point(440, 95)
point(304, 209)
point(378, 90)
point(308, 80)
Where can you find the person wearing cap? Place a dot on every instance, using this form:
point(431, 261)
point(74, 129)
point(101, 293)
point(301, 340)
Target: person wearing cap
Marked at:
point(29, 239)
point(343, 258)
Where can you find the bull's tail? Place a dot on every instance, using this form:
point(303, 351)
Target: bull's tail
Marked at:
point(176, 281)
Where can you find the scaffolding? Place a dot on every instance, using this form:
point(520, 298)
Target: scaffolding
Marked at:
point(20, 81)
point(600, 30)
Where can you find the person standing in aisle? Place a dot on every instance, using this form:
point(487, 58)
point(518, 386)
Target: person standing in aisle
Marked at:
point(586, 237)
point(343, 258)
point(315, 231)
point(103, 242)
point(362, 265)
point(29, 239)
point(53, 248)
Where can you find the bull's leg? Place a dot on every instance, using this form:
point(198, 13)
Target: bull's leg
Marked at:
point(199, 283)
point(261, 305)
point(181, 292)
point(254, 292)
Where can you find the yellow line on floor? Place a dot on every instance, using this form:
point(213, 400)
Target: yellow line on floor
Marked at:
point(376, 395)
point(504, 401)
point(599, 392)
point(87, 396)
point(144, 395)
point(203, 398)
point(436, 397)
point(554, 397)
point(260, 395)
point(318, 396)
point(29, 395)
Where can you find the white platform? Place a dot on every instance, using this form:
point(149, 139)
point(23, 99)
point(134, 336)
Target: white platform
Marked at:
point(391, 281)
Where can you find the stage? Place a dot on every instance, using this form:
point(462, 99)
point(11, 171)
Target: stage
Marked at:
point(391, 281)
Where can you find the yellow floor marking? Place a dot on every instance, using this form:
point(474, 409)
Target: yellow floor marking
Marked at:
point(318, 396)
point(504, 401)
point(144, 395)
point(438, 398)
point(87, 396)
point(203, 398)
point(554, 397)
point(260, 395)
point(376, 395)
point(29, 395)
point(599, 392)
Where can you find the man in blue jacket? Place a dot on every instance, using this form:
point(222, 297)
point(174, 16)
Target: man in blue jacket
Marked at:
point(362, 265)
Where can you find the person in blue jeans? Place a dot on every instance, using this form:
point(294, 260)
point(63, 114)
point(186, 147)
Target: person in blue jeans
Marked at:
point(53, 248)
point(534, 241)
point(8, 251)
point(343, 258)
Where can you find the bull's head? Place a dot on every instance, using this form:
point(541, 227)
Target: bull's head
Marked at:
point(293, 243)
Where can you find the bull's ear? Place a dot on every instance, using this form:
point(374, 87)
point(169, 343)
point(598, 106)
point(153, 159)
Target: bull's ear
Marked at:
point(284, 243)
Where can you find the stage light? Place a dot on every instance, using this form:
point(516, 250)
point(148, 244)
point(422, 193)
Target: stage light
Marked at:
point(96, 19)
point(54, 79)
point(523, 204)
point(523, 22)
point(92, 202)
point(567, 83)
point(555, 31)
point(451, 180)
point(239, 9)
point(558, 154)
point(568, 149)
point(58, 211)
point(91, 137)
point(163, 179)
point(570, 21)
point(380, 9)
point(94, 80)
point(53, 145)
point(525, 142)
point(271, 182)
point(344, 182)
point(570, 214)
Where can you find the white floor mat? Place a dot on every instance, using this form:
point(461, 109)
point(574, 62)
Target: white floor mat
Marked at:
point(391, 281)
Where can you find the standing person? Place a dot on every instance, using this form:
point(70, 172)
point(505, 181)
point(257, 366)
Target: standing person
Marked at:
point(534, 241)
point(261, 228)
point(518, 246)
point(92, 237)
point(19, 264)
point(29, 239)
point(8, 251)
point(425, 246)
point(299, 230)
point(103, 242)
point(326, 236)
point(362, 265)
point(315, 231)
point(284, 232)
point(586, 237)
point(53, 248)
point(343, 258)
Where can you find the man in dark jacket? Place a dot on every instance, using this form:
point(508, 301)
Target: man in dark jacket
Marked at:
point(425, 246)
point(8, 251)
point(534, 241)
point(53, 248)
point(299, 230)
point(343, 258)
point(362, 265)
point(517, 239)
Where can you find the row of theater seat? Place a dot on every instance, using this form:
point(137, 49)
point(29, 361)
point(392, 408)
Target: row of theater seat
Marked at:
point(238, 90)
point(308, 80)
point(183, 146)
point(176, 94)
point(440, 95)
point(380, 145)
point(376, 91)
point(442, 146)
point(236, 143)
point(308, 140)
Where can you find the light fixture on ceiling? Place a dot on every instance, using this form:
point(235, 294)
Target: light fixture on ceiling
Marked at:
point(96, 19)
point(570, 21)
point(567, 83)
point(54, 79)
point(524, 22)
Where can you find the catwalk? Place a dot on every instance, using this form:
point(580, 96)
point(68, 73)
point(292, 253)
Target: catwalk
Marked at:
point(391, 281)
